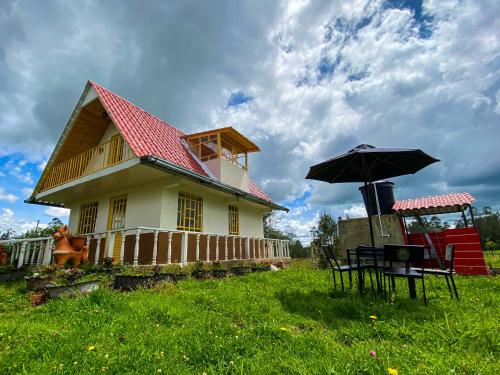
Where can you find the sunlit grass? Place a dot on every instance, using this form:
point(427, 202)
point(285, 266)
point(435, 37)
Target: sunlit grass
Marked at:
point(272, 322)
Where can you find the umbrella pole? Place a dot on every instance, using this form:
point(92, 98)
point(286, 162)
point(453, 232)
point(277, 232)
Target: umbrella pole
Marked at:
point(372, 238)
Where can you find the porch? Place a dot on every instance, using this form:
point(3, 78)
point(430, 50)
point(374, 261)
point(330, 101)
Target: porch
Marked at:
point(152, 246)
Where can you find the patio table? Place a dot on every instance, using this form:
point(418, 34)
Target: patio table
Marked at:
point(377, 258)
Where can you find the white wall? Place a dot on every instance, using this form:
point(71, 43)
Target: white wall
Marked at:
point(155, 205)
point(229, 173)
point(143, 208)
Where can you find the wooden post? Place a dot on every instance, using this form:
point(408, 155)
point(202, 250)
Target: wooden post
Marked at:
point(169, 250)
point(41, 250)
point(208, 247)
point(136, 248)
point(13, 254)
point(122, 248)
point(155, 248)
point(197, 247)
point(47, 255)
point(97, 250)
point(217, 248)
point(225, 248)
point(184, 250)
point(20, 261)
point(472, 219)
point(111, 245)
point(247, 247)
point(234, 247)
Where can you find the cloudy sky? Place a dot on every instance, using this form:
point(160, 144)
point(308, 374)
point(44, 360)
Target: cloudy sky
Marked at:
point(306, 80)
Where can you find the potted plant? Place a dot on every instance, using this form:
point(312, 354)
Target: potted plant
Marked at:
point(9, 273)
point(165, 273)
point(43, 277)
point(241, 269)
point(68, 285)
point(261, 267)
point(131, 278)
point(201, 271)
point(219, 271)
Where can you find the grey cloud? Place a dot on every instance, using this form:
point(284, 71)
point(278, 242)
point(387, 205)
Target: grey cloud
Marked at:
point(181, 59)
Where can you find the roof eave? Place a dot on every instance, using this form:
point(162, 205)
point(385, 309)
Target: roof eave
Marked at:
point(154, 161)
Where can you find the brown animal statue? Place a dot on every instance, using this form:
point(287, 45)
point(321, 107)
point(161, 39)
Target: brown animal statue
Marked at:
point(69, 248)
point(3, 256)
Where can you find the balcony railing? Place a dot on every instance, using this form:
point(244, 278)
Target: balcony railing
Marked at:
point(100, 157)
point(152, 246)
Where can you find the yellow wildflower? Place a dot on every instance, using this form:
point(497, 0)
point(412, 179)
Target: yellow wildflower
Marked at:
point(284, 329)
point(392, 371)
point(373, 317)
point(91, 348)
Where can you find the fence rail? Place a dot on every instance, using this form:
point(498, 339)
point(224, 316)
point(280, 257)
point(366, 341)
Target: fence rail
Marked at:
point(152, 246)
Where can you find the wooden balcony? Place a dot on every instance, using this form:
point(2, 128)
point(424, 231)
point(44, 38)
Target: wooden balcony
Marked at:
point(105, 155)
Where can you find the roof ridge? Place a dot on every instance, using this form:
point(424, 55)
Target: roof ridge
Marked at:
point(136, 106)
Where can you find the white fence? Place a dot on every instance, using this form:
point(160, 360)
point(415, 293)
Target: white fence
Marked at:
point(143, 245)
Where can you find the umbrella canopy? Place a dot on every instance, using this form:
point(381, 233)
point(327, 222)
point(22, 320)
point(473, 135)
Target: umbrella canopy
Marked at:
point(366, 163)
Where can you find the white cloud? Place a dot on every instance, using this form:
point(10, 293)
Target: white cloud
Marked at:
point(16, 170)
point(58, 212)
point(356, 210)
point(7, 196)
point(381, 84)
point(27, 192)
point(8, 220)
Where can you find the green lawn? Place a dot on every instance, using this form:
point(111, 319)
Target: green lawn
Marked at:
point(492, 258)
point(267, 323)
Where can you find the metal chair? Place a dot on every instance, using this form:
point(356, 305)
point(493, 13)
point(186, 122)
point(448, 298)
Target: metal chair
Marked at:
point(371, 258)
point(409, 255)
point(448, 271)
point(336, 267)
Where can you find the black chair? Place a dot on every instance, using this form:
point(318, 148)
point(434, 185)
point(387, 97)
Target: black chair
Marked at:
point(447, 271)
point(407, 255)
point(337, 267)
point(367, 259)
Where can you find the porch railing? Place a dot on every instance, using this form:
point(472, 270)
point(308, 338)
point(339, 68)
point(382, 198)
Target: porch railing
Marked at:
point(30, 251)
point(152, 246)
point(100, 157)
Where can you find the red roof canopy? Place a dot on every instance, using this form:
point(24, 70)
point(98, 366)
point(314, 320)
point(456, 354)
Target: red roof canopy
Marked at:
point(148, 135)
point(438, 204)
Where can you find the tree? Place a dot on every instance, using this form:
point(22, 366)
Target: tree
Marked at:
point(325, 232)
point(488, 225)
point(7, 235)
point(47, 231)
point(271, 223)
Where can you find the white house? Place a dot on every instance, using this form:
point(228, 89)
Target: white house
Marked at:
point(143, 192)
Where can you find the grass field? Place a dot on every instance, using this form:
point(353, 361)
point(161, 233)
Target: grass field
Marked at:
point(286, 322)
point(492, 258)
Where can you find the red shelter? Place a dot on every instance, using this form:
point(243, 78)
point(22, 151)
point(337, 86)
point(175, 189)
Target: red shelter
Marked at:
point(469, 258)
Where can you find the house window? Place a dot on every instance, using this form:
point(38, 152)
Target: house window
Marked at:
point(234, 220)
point(87, 217)
point(190, 212)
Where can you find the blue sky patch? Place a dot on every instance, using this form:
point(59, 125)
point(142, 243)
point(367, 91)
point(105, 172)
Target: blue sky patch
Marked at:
point(423, 20)
point(237, 98)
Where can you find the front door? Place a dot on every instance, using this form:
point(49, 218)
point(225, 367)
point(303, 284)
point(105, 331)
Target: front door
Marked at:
point(116, 220)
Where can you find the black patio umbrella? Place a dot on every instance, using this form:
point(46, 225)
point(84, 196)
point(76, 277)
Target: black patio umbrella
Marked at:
point(366, 163)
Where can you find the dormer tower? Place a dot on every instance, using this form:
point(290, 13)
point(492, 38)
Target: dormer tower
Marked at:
point(225, 152)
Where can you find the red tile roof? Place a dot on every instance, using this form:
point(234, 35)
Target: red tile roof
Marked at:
point(435, 204)
point(147, 135)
